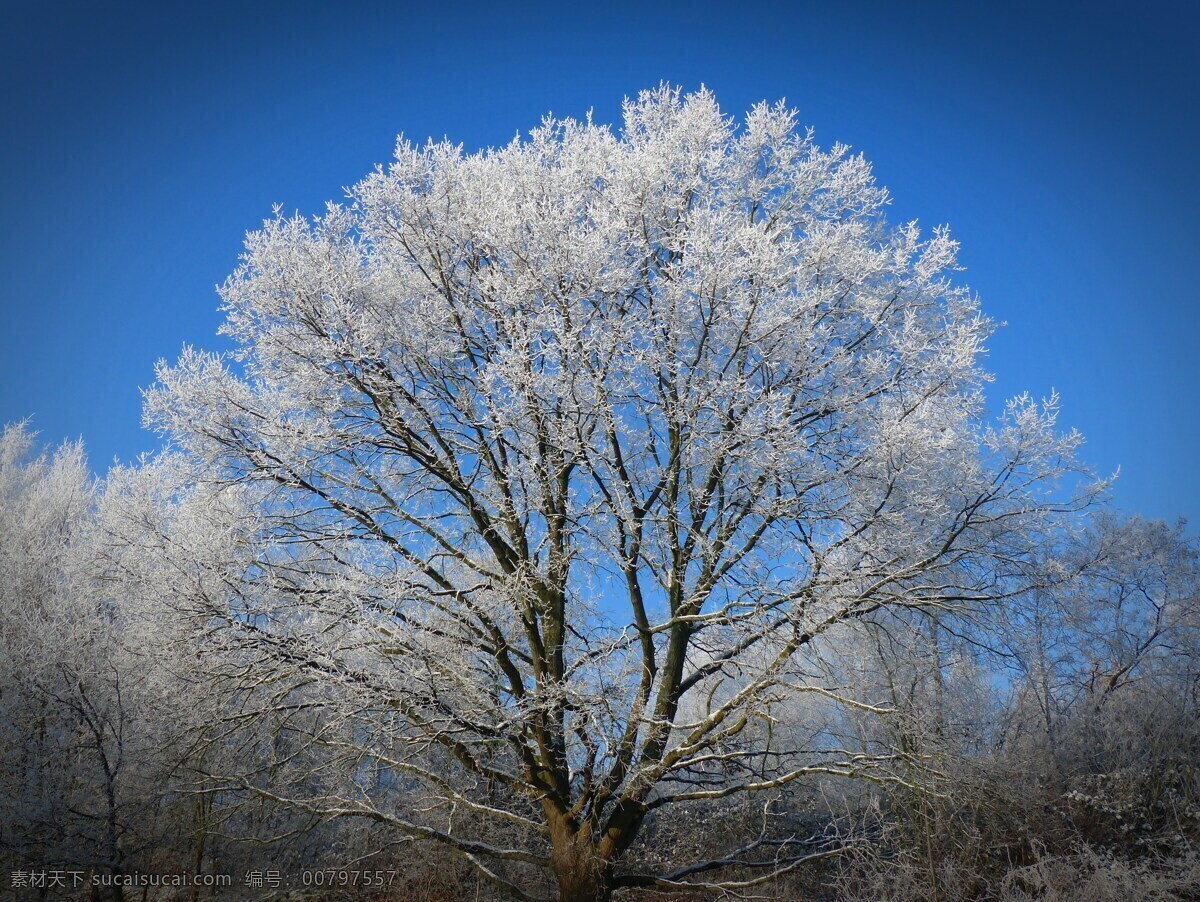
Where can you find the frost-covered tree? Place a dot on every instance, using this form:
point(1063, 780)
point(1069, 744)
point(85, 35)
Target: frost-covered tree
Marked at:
point(1134, 612)
point(59, 728)
point(1123, 610)
point(555, 463)
point(98, 684)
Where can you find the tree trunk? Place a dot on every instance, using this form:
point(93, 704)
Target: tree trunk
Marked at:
point(582, 874)
point(202, 810)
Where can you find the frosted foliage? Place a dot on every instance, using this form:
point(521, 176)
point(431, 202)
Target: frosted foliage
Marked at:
point(542, 444)
point(87, 665)
point(45, 501)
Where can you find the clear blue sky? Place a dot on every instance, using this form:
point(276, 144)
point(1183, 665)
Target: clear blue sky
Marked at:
point(1058, 142)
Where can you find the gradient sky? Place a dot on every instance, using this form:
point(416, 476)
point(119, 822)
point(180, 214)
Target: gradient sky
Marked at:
point(1058, 142)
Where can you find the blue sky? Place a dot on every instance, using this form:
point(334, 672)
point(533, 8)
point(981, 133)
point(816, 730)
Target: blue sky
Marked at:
point(1058, 142)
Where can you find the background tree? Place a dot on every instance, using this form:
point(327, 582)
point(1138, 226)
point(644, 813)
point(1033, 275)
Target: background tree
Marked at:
point(1105, 691)
point(53, 709)
point(101, 693)
point(84, 751)
point(557, 465)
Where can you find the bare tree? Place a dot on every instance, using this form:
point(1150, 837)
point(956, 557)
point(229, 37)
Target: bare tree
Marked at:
point(1134, 613)
point(556, 464)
